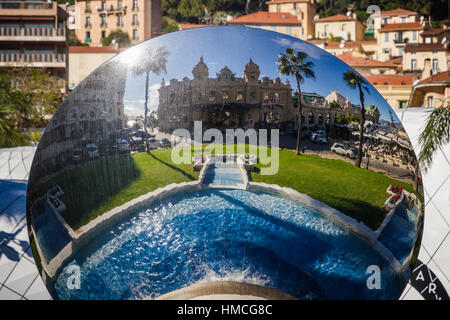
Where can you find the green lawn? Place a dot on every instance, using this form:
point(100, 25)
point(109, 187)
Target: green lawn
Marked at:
point(99, 186)
point(359, 193)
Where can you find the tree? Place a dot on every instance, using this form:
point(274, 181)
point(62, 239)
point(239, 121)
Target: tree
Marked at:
point(355, 80)
point(435, 134)
point(293, 63)
point(120, 37)
point(151, 61)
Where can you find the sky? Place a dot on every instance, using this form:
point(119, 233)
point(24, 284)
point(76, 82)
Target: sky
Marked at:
point(233, 47)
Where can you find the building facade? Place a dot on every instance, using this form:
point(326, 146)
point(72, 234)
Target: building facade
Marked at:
point(395, 88)
point(304, 10)
point(432, 91)
point(84, 60)
point(228, 101)
point(433, 47)
point(367, 66)
point(346, 27)
point(140, 19)
point(394, 29)
point(34, 34)
point(225, 101)
point(294, 18)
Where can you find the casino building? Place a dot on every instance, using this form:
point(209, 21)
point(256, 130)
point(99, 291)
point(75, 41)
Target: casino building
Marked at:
point(225, 101)
point(228, 101)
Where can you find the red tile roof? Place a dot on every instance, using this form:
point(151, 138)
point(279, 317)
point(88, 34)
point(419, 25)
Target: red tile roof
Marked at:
point(355, 61)
point(348, 44)
point(425, 47)
point(396, 60)
point(401, 26)
point(398, 11)
point(439, 77)
point(434, 31)
point(80, 49)
point(391, 79)
point(185, 26)
point(338, 17)
point(264, 17)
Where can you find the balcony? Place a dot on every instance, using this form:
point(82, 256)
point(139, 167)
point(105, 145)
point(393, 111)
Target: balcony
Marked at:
point(51, 60)
point(401, 41)
point(28, 8)
point(112, 10)
point(32, 34)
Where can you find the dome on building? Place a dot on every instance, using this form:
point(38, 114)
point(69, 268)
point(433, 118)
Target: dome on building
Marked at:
point(251, 71)
point(200, 70)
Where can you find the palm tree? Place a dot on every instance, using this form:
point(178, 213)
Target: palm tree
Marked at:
point(293, 63)
point(435, 134)
point(355, 80)
point(150, 62)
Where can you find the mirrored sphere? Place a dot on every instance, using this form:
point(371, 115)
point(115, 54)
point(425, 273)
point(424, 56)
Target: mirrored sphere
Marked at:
point(225, 160)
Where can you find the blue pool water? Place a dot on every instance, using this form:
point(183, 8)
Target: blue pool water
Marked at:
point(226, 234)
point(398, 236)
point(223, 174)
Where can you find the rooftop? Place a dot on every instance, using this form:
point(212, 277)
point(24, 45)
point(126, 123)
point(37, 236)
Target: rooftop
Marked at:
point(434, 31)
point(391, 79)
point(398, 11)
point(264, 17)
point(401, 26)
point(337, 17)
point(81, 49)
point(185, 26)
point(359, 61)
point(425, 47)
point(438, 77)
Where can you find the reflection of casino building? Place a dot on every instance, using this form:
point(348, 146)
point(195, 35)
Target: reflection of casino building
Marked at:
point(93, 112)
point(230, 102)
point(225, 101)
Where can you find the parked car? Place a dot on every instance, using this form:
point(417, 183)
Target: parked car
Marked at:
point(165, 143)
point(153, 143)
point(77, 154)
point(341, 149)
point(123, 145)
point(319, 136)
point(92, 150)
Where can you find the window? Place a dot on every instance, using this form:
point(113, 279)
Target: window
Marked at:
point(135, 4)
point(253, 95)
point(88, 36)
point(430, 102)
point(278, 8)
point(135, 20)
point(435, 65)
point(413, 64)
point(212, 96)
point(400, 51)
point(225, 95)
point(103, 21)
point(199, 96)
point(289, 30)
point(239, 96)
point(386, 37)
point(88, 6)
point(387, 50)
point(295, 6)
point(402, 104)
point(344, 27)
point(266, 97)
point(103, 8)
point(414, 35)
point(385, 20)
point(103, 34)
point(88, 22)
point(428, 40)
point(135, 34)
point(120, 20)
point(119, 4)
point(403, 19)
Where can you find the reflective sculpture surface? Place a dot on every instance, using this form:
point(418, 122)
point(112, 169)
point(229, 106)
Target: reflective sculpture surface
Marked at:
point(225, 154)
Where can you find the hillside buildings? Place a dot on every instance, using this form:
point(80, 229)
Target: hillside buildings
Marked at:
point(140, 19)
point(34, 34)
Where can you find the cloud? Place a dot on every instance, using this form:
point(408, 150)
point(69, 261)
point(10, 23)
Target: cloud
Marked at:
point(153, 96)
